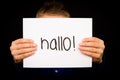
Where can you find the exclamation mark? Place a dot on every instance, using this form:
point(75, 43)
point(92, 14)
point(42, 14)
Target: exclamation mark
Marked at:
point(74, 42)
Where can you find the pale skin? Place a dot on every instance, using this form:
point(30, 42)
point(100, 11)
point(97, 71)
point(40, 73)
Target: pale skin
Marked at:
point(23, 48)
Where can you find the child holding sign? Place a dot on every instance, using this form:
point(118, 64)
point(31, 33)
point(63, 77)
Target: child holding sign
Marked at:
point(23, 48)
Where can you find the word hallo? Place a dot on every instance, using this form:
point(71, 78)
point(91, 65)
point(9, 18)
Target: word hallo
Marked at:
point(60, 43)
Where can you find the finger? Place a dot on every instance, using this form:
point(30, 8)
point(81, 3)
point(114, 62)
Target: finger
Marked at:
point(22, 46)
point(92, 44)
point(23, 51)
point(21, 40)
point(91, 54)
point(93, 39)
point(91, 49)
point(23, 56)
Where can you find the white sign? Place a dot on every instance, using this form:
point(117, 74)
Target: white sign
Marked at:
point(58, 40)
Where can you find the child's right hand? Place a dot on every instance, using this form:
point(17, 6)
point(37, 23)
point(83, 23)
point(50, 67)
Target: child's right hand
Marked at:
point(22, 48)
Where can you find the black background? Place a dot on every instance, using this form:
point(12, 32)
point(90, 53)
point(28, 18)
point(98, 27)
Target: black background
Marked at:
point(104, 16)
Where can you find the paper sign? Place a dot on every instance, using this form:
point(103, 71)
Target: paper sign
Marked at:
point(57, 42)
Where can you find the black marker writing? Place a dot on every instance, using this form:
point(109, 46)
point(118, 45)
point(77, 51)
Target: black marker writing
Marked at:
point(60, 43)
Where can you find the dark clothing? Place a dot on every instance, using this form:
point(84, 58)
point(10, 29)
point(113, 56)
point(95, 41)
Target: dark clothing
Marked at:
point(59, 73)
